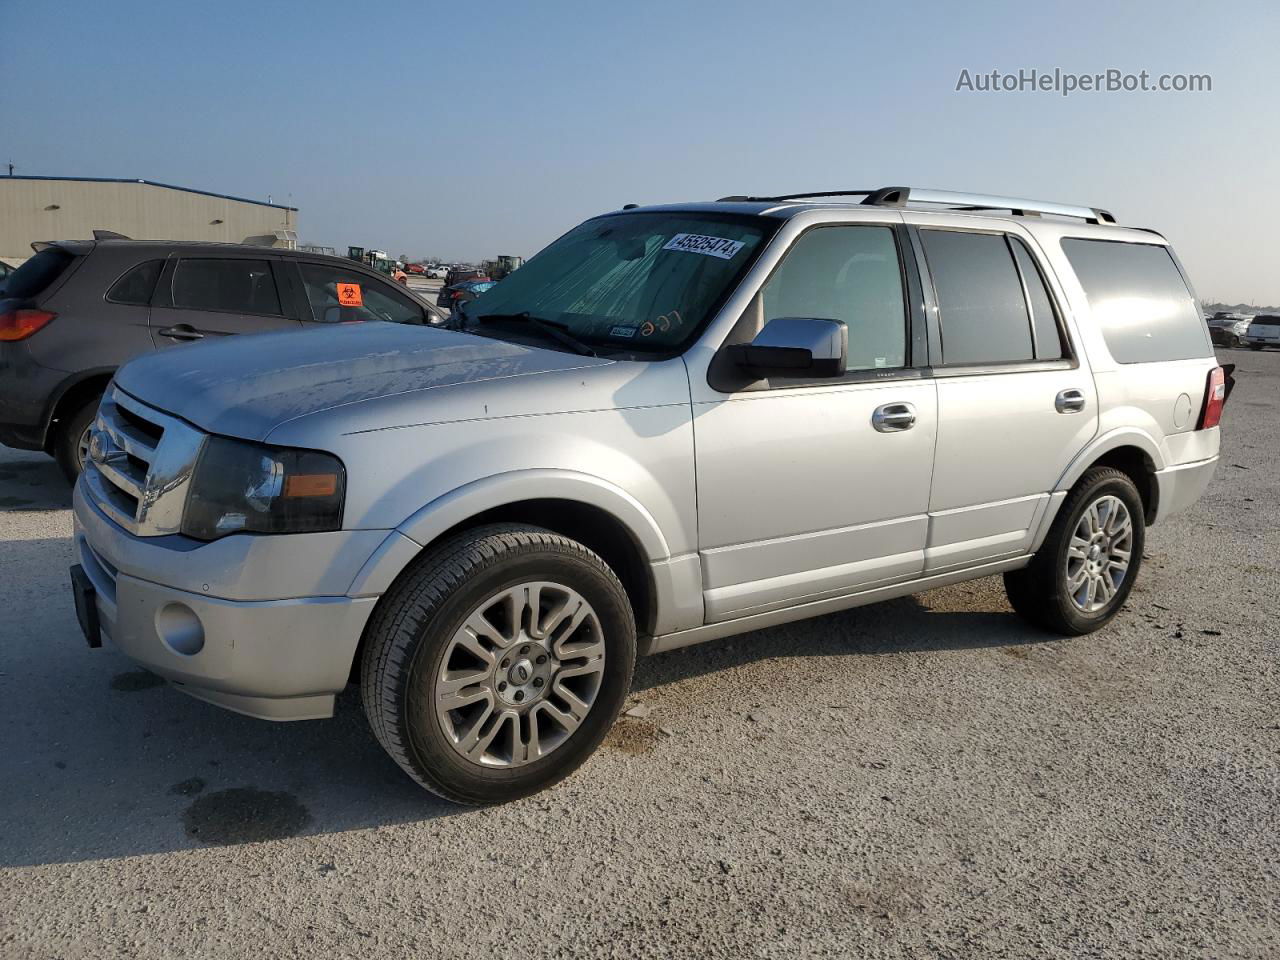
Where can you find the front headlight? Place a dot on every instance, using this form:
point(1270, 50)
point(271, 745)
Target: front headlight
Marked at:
point(241, 487)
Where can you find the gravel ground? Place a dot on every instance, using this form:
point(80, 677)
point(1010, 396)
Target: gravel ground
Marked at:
point(924, 778)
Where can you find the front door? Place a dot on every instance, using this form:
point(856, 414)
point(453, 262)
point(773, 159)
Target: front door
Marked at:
point(805, 488)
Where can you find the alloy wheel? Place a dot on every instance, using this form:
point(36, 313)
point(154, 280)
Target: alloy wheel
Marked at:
point(520, 675)
point(1099, 554)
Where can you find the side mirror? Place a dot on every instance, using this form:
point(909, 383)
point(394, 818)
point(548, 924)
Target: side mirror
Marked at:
point(795, 347)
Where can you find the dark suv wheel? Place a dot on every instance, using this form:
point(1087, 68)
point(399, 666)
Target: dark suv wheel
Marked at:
point(497, 664)
point(1082, 574)
point(71, 439)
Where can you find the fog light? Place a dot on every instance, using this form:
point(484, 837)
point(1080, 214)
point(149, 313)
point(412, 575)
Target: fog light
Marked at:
point(180, 629)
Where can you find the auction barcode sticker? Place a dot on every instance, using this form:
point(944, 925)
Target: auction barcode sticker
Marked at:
point(708, 246)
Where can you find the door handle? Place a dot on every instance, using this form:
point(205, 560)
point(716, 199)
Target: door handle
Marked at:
point(182, 331)
point(894, 417)
point(1069, 401)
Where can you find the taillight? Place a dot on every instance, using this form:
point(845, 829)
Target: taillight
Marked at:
point(20, 324)
point(1215, 398)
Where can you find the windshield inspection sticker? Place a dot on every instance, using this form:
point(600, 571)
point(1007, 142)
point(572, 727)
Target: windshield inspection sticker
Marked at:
point(707, 246)
point(623, 332)
point(349, 295)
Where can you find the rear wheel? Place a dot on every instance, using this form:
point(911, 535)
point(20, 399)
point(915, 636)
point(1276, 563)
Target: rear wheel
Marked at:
point(1082, 574)
point(497, 664)
point(71, 439)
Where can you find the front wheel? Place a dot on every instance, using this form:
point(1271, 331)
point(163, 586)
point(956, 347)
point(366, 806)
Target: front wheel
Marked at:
point(496, 665)
point(1083, 572)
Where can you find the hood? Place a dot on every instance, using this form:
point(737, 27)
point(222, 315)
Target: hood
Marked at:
point(245, 386)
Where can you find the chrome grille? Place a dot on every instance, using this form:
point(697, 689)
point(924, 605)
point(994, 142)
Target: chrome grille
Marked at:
point(139, 465)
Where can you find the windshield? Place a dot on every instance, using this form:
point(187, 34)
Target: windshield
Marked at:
point(644, 282)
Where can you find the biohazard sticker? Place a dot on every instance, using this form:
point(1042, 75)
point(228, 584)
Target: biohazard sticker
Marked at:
point(707, 246)
point(349, 295)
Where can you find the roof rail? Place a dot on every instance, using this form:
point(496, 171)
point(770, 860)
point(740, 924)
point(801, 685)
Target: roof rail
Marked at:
point(902, 196)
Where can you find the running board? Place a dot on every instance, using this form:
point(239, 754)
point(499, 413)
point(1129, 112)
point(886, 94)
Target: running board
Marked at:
point(815, 608)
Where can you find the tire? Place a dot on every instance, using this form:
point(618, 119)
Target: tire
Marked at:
point(67, 440)
point(413, 640)
point(1233, 341)
point(1041, 593)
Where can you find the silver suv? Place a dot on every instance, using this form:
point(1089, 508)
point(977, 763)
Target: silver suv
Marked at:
point(675, 424)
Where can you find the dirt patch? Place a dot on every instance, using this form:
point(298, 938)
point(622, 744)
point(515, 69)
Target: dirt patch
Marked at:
point(245, 815)
point(632, 737)
point(187, 788)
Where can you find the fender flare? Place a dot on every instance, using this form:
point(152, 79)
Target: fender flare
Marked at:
point(460, 504)
point(1112, 440)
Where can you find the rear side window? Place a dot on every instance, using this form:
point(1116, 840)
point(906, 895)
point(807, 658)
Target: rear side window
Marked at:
point(1265, 320)
point(226, 286)
point(37, 274)
point(137, 286)
point(349, 296)
point(981, 308)
point(1139, 300)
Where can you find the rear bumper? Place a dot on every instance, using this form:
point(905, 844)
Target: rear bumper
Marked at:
point(26, 389)
point(1182, 485)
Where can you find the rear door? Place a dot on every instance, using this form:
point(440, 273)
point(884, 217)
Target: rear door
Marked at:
point(1015, 405)
point(215, 295)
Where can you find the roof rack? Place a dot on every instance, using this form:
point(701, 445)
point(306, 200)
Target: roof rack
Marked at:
point(901, 196)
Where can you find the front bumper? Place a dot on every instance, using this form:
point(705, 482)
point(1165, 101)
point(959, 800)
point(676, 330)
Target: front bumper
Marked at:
point(281, 658)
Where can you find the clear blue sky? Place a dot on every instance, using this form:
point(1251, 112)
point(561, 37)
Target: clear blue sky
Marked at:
point(474, 129)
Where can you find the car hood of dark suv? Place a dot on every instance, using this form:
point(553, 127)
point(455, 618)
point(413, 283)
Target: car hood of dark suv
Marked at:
point(246, 386)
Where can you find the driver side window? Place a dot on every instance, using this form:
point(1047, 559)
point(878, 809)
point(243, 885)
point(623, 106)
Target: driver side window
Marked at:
point(349, 296)
point(851, 274)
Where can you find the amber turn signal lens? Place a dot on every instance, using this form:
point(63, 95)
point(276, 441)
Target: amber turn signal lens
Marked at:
point(311, 485)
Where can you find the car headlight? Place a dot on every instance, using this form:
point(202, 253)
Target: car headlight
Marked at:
point(240, 487)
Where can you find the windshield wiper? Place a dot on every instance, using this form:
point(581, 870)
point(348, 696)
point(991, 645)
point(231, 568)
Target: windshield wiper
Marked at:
point(556, 331)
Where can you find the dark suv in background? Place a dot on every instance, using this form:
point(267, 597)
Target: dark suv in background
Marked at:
point(76, 310)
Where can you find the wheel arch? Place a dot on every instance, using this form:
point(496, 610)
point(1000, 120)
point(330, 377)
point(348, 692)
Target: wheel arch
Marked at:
point(1130, 451)
point(597, 514)
point(74, 392)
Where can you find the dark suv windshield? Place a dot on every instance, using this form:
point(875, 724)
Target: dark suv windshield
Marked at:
point(645, 282)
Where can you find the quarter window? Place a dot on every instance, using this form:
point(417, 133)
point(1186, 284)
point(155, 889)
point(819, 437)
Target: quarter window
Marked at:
point(1139, 299)
point(349, 296)
point(226, 286)
point(981, 307)
point(851, 274)
point(137, 286)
